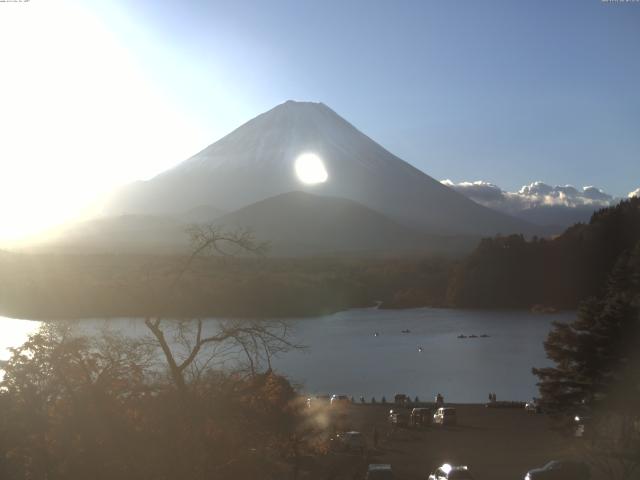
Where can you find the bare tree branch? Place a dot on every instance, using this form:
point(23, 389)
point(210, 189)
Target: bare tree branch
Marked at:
point(256, 340)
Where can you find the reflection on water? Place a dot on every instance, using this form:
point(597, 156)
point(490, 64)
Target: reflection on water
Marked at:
point(13, 333)
point(417, 352)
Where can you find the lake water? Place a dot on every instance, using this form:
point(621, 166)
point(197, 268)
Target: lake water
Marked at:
point(345, 356)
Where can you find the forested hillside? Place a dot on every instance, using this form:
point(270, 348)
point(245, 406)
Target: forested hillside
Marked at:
point(503, 272)
point(513, 272)
point(78, 286)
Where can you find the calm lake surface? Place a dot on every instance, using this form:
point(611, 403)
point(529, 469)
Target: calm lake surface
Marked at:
point(345, 356)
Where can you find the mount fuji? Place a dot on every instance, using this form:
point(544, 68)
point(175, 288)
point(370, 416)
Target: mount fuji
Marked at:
point(256, 162)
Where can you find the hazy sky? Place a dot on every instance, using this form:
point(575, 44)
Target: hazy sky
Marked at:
point(97, 93)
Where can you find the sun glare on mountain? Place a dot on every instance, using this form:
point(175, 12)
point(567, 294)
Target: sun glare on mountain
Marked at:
point(310, 169)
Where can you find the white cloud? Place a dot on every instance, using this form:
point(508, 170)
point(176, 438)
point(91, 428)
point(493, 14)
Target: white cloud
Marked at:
point(635, 193)
point(481, 190)
point(535, 194)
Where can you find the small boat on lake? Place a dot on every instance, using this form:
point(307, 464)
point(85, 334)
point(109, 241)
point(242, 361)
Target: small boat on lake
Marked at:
point(462, 336)
point(420, 349)
point(484, 335)
point(473, 336)
point(406, 331)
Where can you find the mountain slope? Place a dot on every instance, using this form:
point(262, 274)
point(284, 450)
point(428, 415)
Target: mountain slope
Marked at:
point(299, 223)
point(557, 217)
point(255, 162)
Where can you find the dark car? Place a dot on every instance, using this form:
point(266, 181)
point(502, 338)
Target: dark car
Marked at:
point(339, 401)
point(379, 471)
point(348, 442)
point(560, 470)
point(401, 399)
point(421, 417)
point(399, 418)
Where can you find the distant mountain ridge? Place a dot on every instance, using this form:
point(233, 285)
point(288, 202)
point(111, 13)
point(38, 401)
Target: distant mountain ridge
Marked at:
point(255, 162)
point(293, 224)
point(299, 223)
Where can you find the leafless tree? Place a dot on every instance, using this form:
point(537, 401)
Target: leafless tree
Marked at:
point(183, 342)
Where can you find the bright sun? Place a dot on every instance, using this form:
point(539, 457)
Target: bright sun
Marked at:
point(78, 116)
point(310, 169)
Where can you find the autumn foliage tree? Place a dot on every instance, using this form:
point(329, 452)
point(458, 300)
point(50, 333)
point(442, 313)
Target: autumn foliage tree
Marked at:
point(160, 406)
point(97, 407)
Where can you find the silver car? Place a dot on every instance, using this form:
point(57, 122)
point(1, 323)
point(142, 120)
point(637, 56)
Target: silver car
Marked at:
point(445, 416)
point(560, 470)
point(450, 472)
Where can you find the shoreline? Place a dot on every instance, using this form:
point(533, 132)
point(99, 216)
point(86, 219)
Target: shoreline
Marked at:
point(377, 306)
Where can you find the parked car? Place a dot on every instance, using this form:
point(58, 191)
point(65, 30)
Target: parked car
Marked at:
point(560, 470)
point(450, 472)
point(379, 471)
point(318, 401)
point(349, 442)
point(445, 416)
point(533, 406)
point(399, 418)
point(581, 425)
point(401, 399)
point(339, 400)
point(421, 417)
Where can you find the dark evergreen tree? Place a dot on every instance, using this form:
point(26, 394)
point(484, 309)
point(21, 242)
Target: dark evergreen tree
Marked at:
point(597, 369)
point(593, 354)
